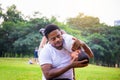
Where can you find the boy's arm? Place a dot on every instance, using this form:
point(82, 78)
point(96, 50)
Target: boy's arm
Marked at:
point(43, 42)
point(78, 44)
point(87, 49)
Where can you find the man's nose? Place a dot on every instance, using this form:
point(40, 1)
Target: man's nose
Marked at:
point(57, 39)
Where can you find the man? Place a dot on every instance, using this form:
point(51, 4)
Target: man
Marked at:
point(56, 62)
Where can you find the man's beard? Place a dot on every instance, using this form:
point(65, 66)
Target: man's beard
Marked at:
point(58, 47)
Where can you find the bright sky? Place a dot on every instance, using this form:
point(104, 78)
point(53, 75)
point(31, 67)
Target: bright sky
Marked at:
point(106, 10)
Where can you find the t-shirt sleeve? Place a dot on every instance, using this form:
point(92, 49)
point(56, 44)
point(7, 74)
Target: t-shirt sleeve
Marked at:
point(44, 57)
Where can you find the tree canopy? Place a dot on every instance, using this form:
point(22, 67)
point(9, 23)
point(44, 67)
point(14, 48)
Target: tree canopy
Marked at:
point(83, 21)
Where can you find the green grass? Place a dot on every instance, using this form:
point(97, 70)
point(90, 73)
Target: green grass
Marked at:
point(19, 69)
point(93, 72)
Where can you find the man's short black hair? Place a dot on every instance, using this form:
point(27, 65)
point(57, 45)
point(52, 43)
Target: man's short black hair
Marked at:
point(49, 28)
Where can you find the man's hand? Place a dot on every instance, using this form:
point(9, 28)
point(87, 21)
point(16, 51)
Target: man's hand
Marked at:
point(79, 64)
point(74, 55)
point(75, 63)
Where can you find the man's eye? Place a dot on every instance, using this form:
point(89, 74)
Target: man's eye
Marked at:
point(58, 36)
point(53, 39)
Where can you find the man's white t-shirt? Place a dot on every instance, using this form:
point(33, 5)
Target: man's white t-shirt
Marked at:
point(58, 58)
point(68, 42)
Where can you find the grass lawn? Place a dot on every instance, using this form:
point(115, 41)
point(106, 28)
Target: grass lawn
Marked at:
point(93, 72)
point(19, 69)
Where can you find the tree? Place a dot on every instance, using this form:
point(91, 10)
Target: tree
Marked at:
point(104, 41)
point(83, 21)
point(18, 36)
point(12, 14)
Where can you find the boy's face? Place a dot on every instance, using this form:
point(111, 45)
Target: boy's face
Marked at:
point(55, 39)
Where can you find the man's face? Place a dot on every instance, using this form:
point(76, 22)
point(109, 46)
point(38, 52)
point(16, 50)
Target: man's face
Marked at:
point(55, 39)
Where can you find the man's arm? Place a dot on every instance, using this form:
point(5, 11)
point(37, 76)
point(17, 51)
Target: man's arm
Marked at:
point(51, 72)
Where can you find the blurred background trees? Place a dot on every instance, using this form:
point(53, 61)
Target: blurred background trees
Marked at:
point(19, 36)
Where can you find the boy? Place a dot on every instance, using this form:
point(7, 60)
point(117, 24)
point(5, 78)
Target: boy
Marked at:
point(73, 44)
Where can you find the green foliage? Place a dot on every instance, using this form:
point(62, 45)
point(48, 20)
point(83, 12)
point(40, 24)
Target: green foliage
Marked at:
point(12, 14)
point(19, 36)
point(101, 41)
point(83, 21)
point(67, 28)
